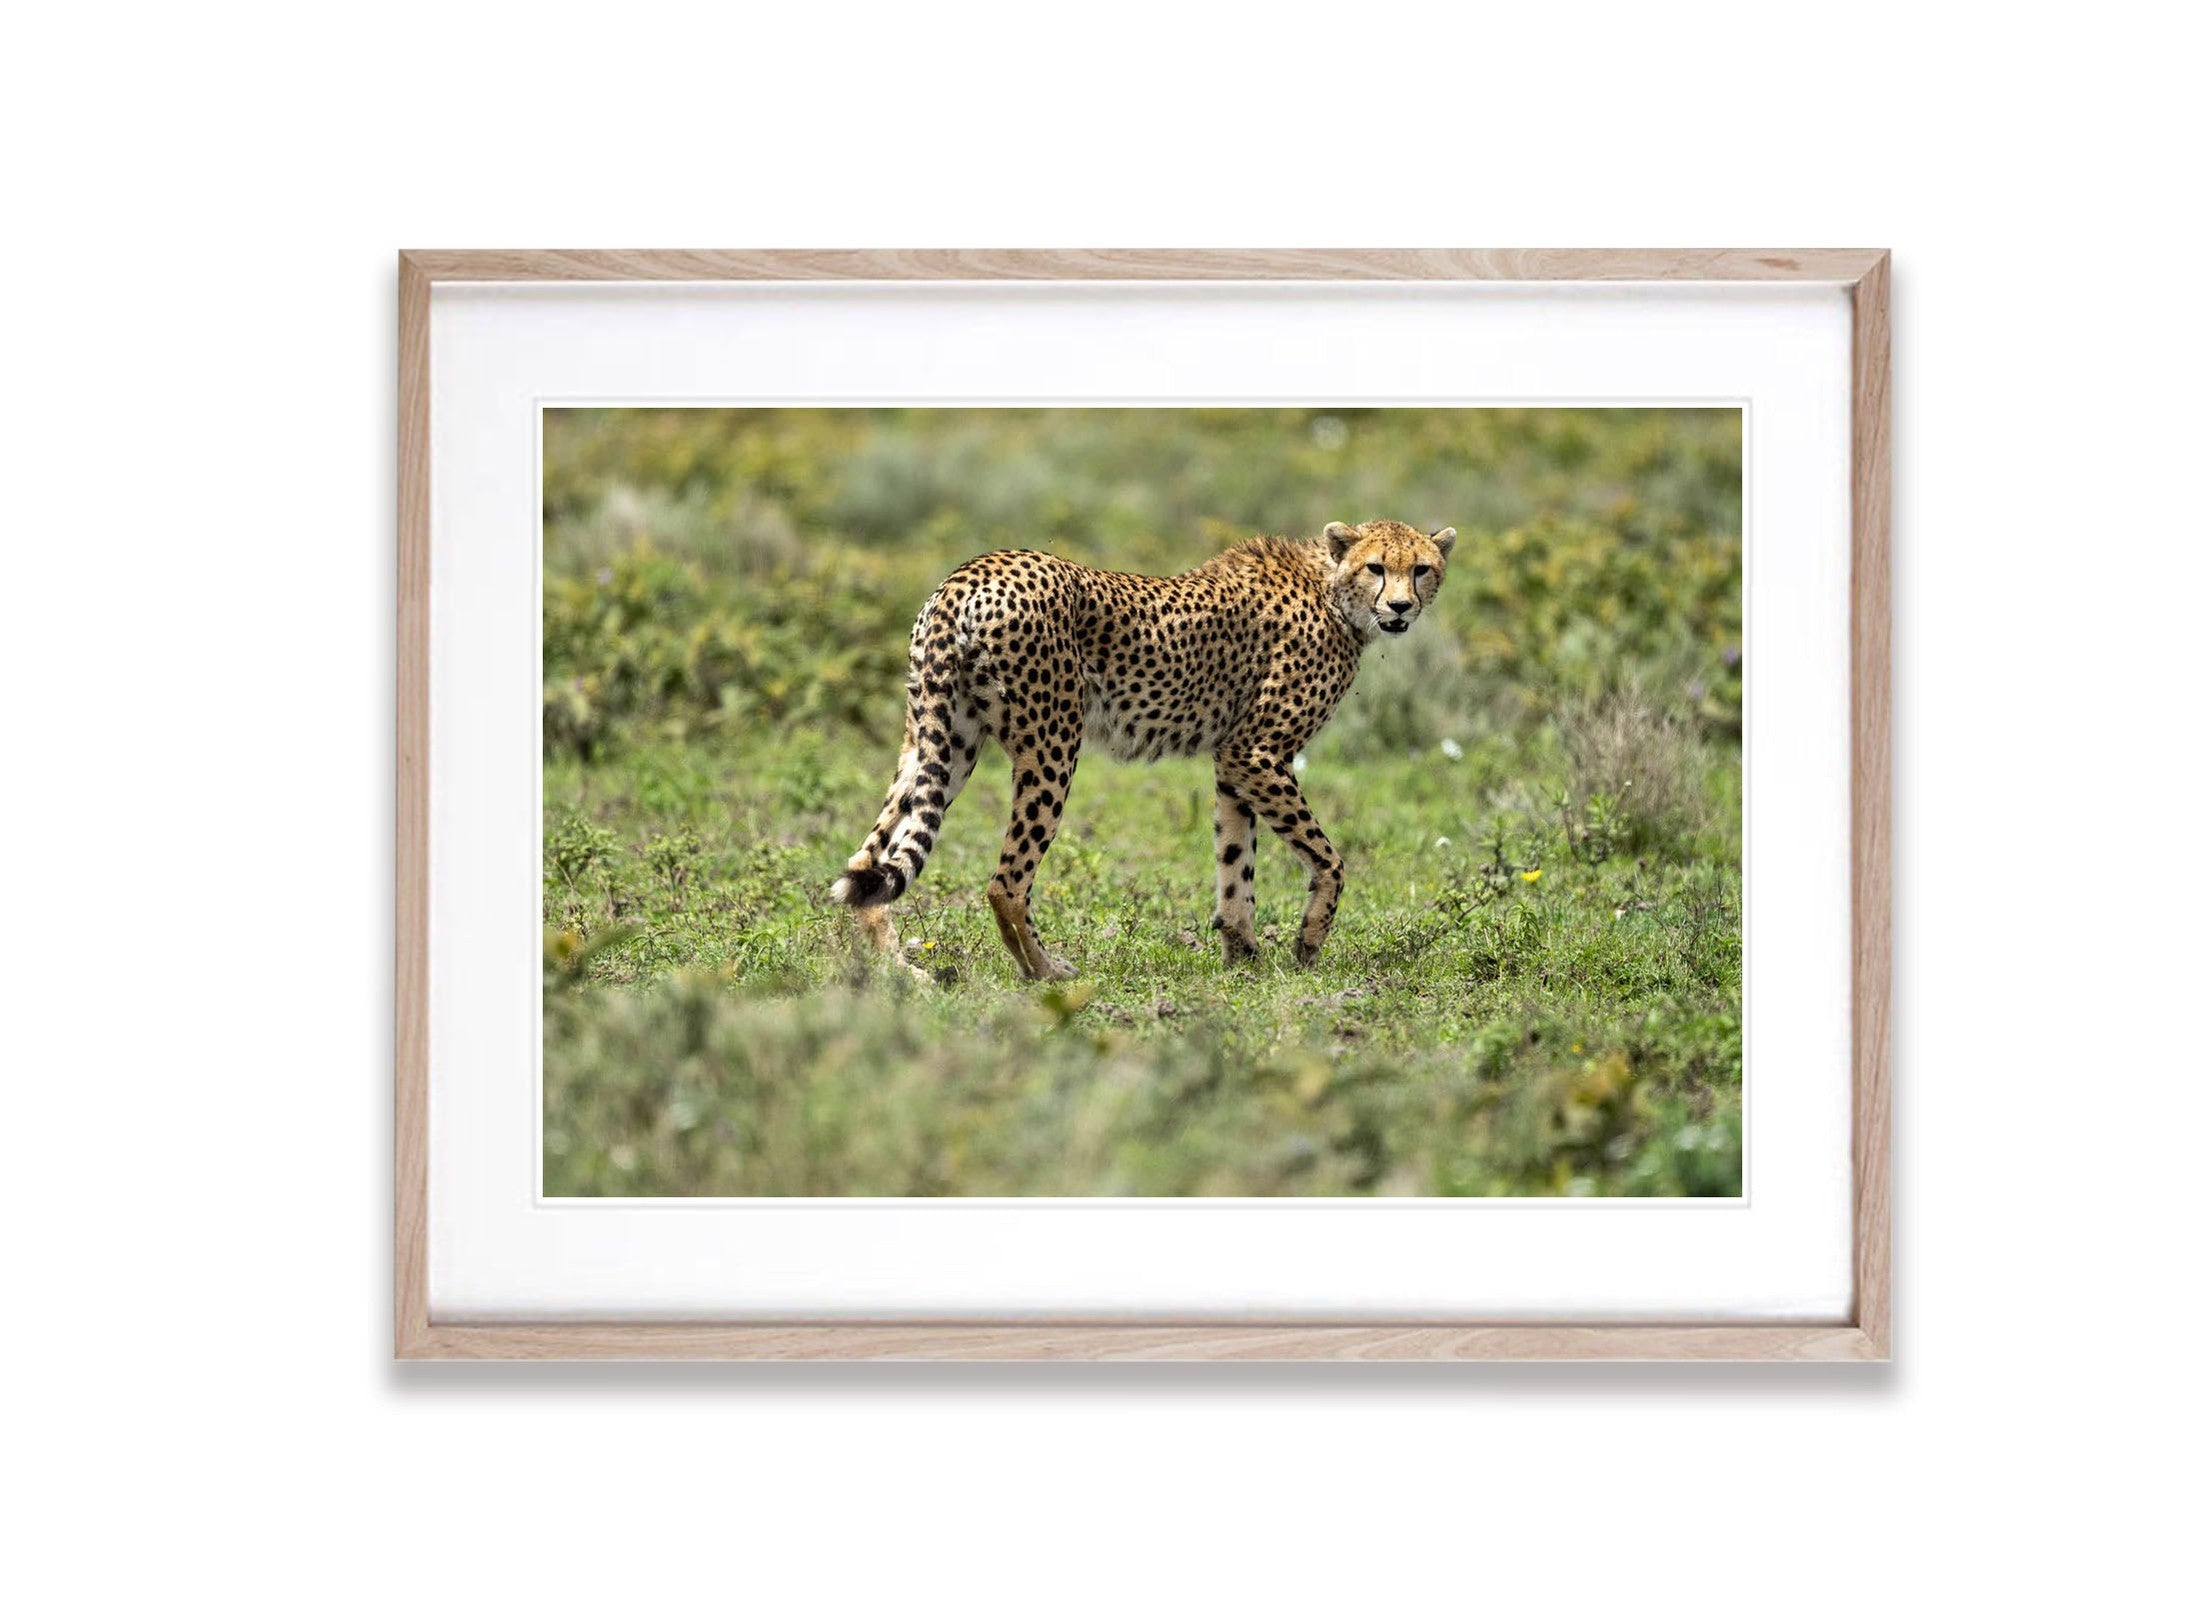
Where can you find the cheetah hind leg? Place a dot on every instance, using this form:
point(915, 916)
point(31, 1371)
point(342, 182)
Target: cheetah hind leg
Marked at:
point(1032, 958)
point(1041, 789)
point(874, 927)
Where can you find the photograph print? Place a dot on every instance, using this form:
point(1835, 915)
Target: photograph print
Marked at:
point(1142, 803)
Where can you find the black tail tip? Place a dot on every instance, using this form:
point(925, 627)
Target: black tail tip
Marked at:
point(869, 885)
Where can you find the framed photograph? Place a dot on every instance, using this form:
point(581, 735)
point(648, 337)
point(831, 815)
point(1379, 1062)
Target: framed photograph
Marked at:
point(1245, 804)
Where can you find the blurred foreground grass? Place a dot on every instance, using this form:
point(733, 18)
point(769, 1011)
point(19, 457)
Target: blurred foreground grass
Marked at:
point(1534, 982)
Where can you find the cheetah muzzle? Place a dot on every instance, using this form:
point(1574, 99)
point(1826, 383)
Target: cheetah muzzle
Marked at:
point(1243, 658)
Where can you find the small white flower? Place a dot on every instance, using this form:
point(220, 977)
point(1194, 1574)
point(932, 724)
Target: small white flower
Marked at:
point(1297, 763)
point(1450, 748)
point(1442, 843)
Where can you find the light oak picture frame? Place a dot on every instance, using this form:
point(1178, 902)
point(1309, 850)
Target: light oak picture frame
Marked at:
point(1864, 1335)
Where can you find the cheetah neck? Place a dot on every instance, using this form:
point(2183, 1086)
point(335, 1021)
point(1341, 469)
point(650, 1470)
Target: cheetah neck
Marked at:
point(1307, 565)
point(1349, 638)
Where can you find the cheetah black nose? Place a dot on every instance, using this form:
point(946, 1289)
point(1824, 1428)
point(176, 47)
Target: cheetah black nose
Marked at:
point(1401, 606)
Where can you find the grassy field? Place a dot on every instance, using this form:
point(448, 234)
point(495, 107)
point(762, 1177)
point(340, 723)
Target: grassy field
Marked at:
point(1534, 983)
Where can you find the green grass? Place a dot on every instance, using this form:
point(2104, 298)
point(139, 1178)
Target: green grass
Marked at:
point(1533, 986)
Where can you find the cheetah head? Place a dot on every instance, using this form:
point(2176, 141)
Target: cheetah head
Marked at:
point(1383, 574)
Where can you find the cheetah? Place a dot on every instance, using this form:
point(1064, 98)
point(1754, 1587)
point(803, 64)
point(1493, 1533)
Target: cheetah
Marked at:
point(1243, 658)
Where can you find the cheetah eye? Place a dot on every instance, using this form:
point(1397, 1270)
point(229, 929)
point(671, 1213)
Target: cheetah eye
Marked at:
point(1422, 570)
point(1373, 569)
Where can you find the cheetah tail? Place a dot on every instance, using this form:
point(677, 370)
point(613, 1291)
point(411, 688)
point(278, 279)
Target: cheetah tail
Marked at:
point(861, 887)
point(901, 843)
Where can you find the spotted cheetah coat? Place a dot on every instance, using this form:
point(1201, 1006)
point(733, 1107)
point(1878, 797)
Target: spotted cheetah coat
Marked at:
point(1242, 659)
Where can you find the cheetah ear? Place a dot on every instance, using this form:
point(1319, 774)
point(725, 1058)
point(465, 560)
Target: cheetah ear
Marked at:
point(1341, 537)
point(1445, 539)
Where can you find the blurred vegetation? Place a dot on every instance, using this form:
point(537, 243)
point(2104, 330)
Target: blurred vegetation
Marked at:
point(1534, 982)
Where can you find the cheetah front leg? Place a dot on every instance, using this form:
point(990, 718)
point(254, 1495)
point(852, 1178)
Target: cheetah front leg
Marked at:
point(1265, 779)
point(1236, 841)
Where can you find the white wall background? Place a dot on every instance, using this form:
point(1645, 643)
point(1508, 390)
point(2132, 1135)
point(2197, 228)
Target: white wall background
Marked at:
point(197, 440)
